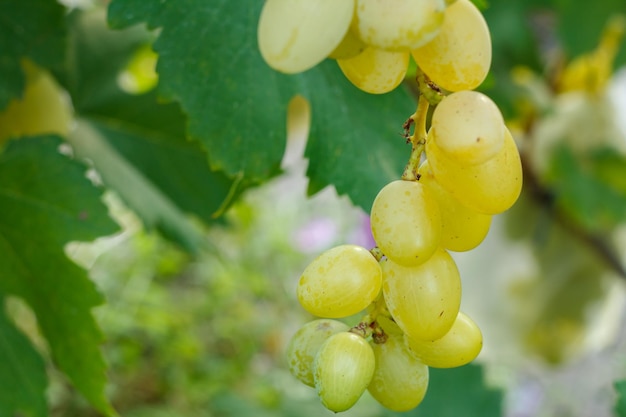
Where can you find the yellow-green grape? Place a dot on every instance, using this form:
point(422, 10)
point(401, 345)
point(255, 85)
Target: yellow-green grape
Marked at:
point(374, 70)
point(458, 347)
point(306, 342)
point(490, 188)
point(43, 108)
point(398, 24)
point(406, 223)
point(424, 300)
point(459, 57)
point(340, 282)
point(342, 370)
point(351, 45)
point(295, 35)
point(462, 228)
point(468, 127)
point(400, 380)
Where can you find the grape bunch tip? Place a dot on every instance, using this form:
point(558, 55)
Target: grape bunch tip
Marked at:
point(463, 169)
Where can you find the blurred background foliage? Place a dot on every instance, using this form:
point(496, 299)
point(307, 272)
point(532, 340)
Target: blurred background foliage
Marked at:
point(203, 332)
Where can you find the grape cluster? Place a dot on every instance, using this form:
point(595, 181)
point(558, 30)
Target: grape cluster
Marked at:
point(464, 168)
point(372, 40)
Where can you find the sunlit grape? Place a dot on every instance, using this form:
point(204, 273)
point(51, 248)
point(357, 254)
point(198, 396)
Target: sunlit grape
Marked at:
point(340, 282)
point(342, 370)
point(374, 70)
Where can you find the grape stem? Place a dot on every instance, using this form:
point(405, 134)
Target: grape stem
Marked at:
point(417, 139)
point(368, 326)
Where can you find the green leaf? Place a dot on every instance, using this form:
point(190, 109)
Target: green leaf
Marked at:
point(236, 104)
point(458, 392)
point(32, 29)
point(356, 140)
point(590, 188)
point(620, 404)
point(137, 143)
point(22, 373)
point(47, 202)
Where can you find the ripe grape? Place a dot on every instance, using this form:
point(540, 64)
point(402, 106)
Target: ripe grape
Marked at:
point(295, 35)
point(462, 228)
point(468, 127)
point(43, 108)
point(405, 222)
point(490, 188)
point(340, 282)
point(459, 57)
point(342, 370)
point(305, 343)
point(398, 25)
point(400, 380)
point(458, 347)
point(424, 300)
point(374, 70)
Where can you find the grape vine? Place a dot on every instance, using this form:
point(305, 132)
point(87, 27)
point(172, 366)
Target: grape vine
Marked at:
point(464, 167)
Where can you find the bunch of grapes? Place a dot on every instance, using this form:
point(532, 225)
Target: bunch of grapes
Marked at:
point(464, 168)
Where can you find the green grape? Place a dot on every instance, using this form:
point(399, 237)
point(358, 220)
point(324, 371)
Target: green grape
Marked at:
point(400, 380)
point(340, 282)
point(490, 188)
point(458, 347)
point(468, 127)
point(397, 25)
point(351, 45)
point(374, 70)
point(424, 300)
point(343, 368)
point(306, 342)
point(43, 108)
point(296, 35)
point(459, 57)
point(405, 222)
point(462, 228)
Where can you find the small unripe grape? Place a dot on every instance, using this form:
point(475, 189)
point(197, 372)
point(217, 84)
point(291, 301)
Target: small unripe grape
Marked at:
point(468, 127)
point(458, 347)
point(340, 282)
point(462, 228)
point(398, 24)
point(295, 35)
point(459, 57)
point(374, 70)
point(305, 344)
point(342, 370)
point(490, 188)
point(400, 380)
point(424, 300)
point(406, 223)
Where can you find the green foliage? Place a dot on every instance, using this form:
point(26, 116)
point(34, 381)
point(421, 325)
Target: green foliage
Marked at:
point(355, 148)
point(46, 204)
point(22, 373)
point(620, 405)
point(33, 29)
point(591, 189)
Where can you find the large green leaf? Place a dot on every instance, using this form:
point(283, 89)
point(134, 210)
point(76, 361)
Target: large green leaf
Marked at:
point(46, 202)
point(32, 29)
point(236, 104)
point(138, 144)
point(22, 373)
